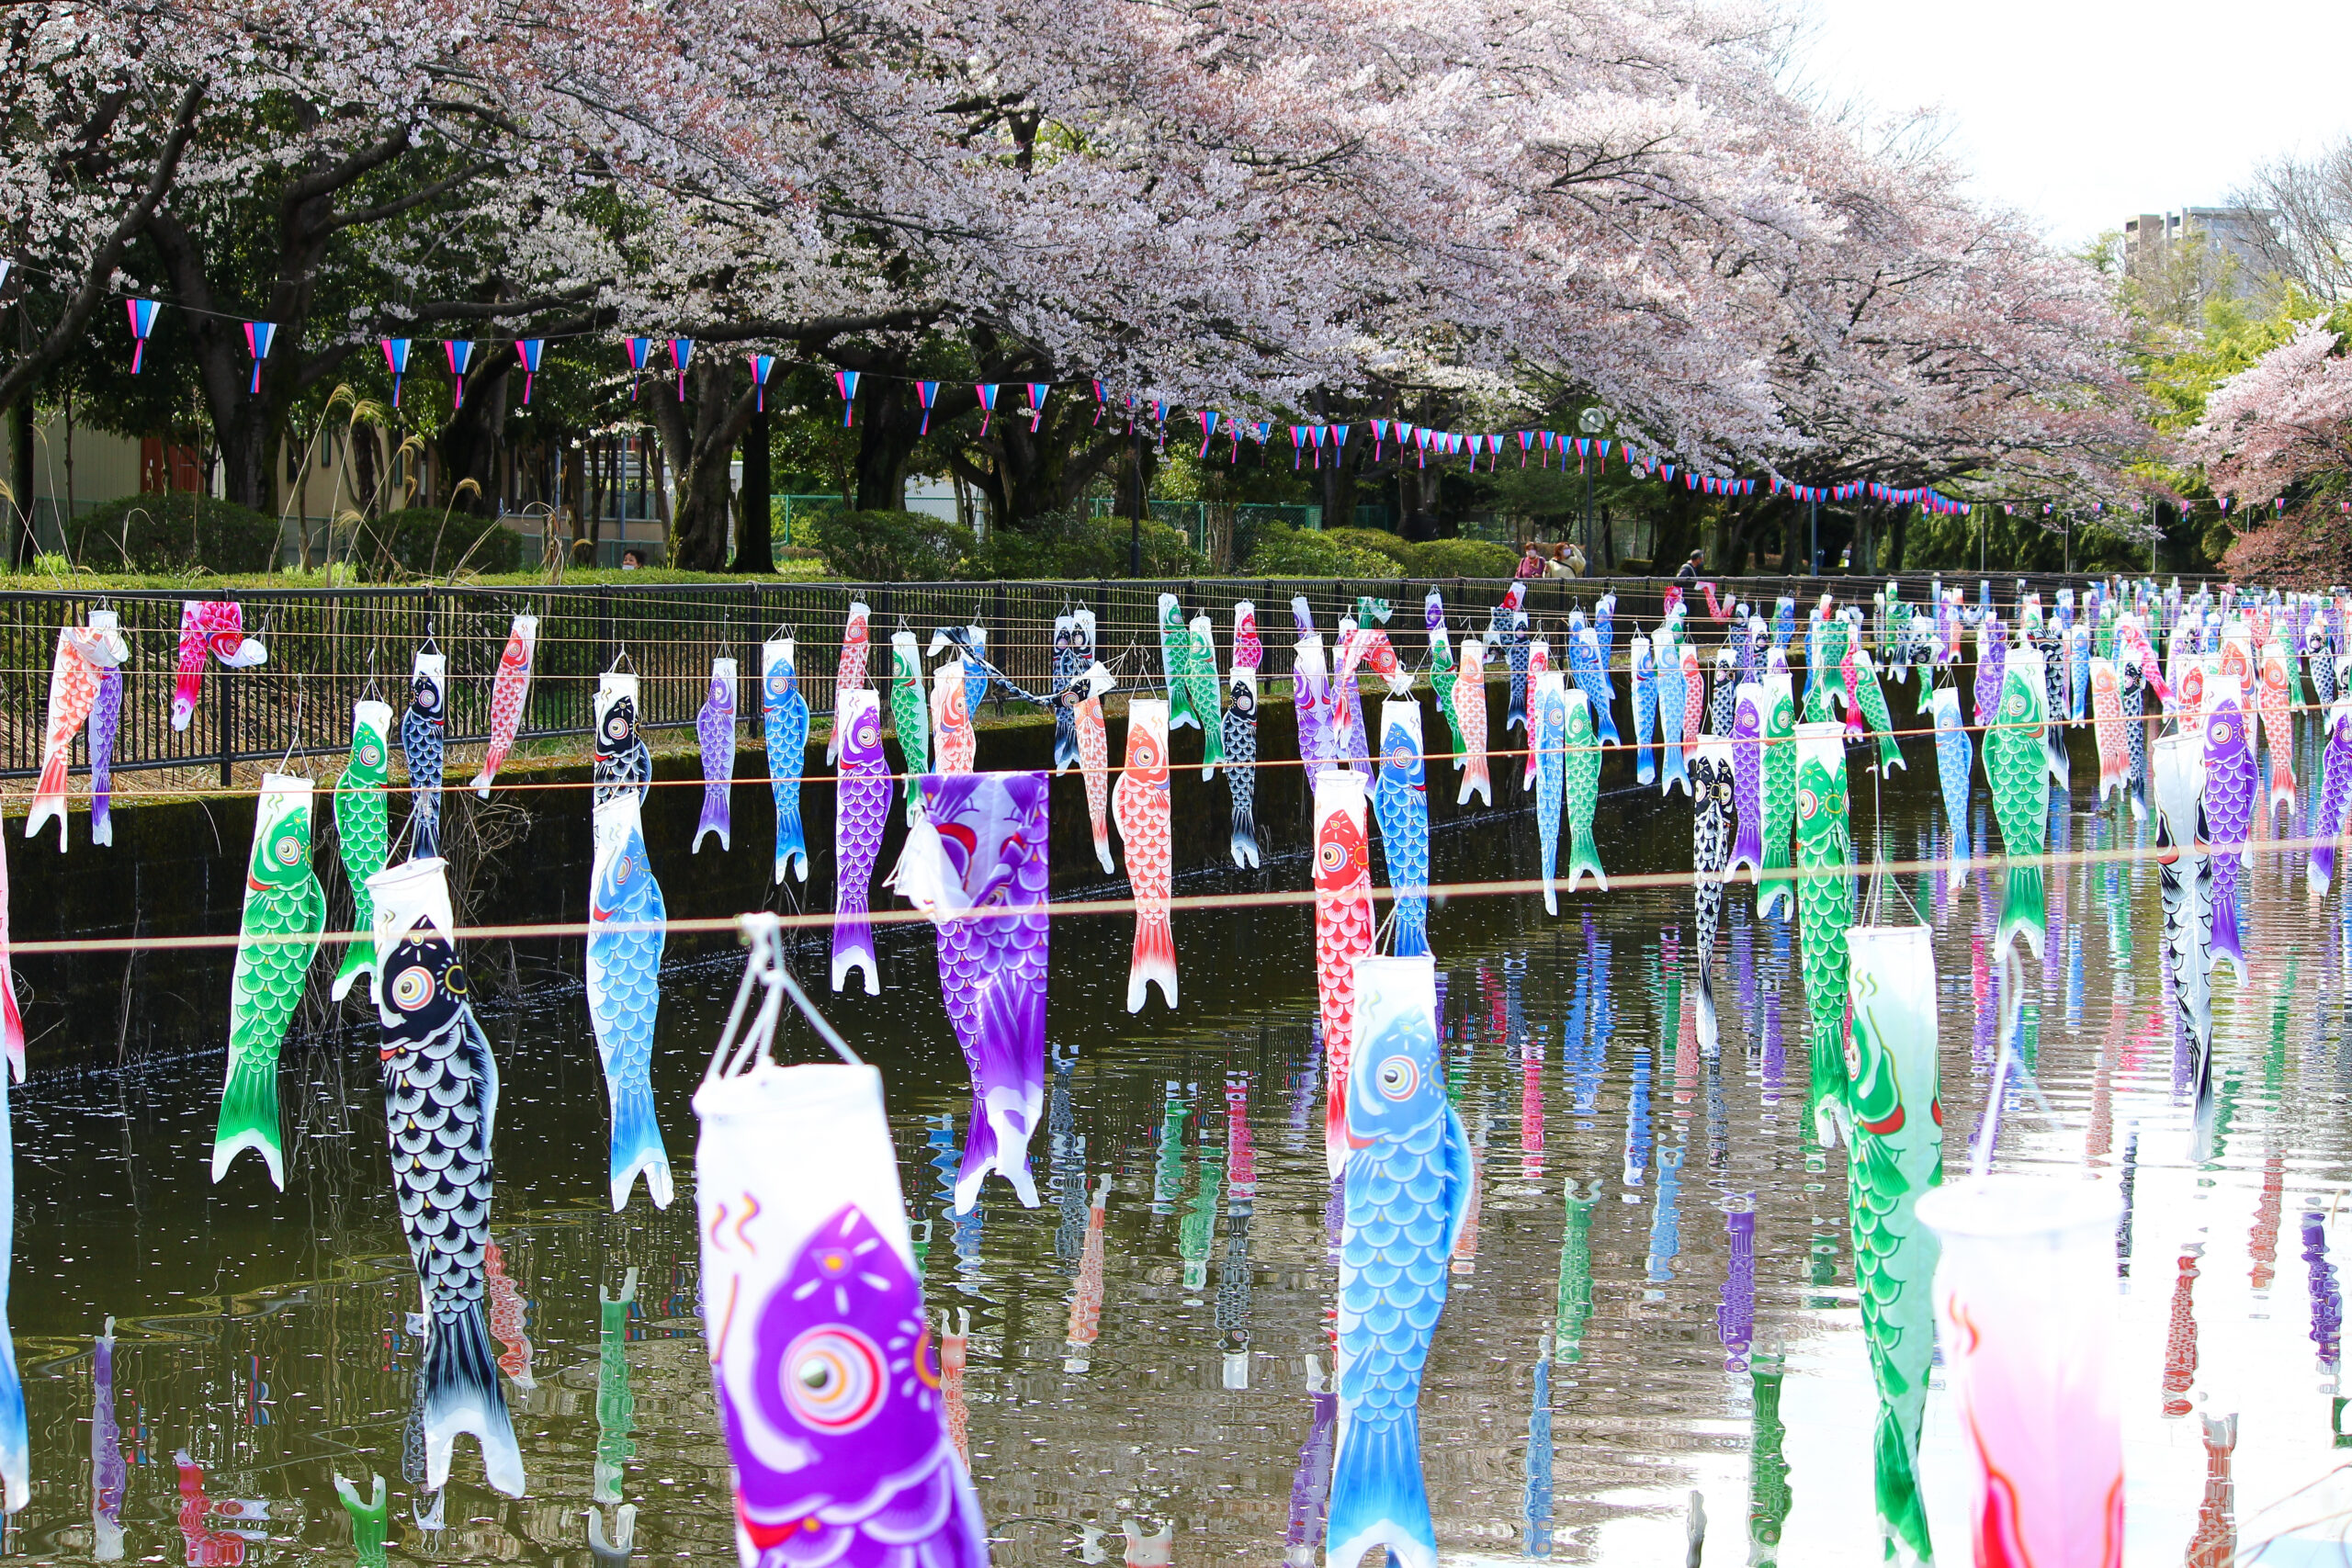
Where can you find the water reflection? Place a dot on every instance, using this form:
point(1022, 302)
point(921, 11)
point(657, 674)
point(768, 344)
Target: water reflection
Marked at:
point(1663, 1272)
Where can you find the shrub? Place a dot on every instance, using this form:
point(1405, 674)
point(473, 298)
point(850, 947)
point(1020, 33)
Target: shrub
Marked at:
point(1464, 558)
point(1062, 544)
point(893, 547)
point(1284, 551)
point(431, 542)
point(169, 534)
point(2304, 549)
point(1380, 541)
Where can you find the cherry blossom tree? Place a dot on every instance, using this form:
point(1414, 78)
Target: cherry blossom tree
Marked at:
point(1331, 206)
point(2280, 422)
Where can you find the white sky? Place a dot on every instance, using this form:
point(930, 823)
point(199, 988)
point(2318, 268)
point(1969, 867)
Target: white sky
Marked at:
point(2083, 112)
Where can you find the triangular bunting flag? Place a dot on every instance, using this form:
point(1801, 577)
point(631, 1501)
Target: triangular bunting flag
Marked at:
point(257, 340)
point(143, 321)
point(396, 356)
point(459, 352)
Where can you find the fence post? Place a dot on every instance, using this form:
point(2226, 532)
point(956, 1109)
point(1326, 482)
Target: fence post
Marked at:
point(226, 713)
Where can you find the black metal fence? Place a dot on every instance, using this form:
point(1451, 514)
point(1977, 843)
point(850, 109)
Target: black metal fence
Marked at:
point(330, 647)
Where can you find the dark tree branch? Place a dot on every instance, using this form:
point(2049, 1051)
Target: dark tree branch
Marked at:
point(100, 274)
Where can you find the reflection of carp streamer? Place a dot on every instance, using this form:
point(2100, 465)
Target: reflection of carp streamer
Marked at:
point(1408, 1164)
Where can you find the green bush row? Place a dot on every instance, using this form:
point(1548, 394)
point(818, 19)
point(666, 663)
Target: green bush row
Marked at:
point(173, 533)
point(1372, 552)
point(917, 547)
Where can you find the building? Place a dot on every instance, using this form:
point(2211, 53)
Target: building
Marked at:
point(2208, 250)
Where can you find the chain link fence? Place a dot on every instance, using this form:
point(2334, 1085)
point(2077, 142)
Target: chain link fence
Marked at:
point(330, 647)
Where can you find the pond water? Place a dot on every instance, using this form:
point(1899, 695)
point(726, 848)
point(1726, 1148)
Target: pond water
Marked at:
point(1139, 1348)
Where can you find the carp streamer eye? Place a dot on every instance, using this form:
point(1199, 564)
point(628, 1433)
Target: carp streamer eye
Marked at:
point(1398, 1077)
point(411, 988)
point(834, 1379)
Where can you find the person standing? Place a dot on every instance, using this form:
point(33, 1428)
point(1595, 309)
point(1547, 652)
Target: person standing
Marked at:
point(1531, 563)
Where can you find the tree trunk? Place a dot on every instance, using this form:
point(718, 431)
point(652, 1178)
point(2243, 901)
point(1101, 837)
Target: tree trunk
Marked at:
point(1133, 497)
point(1671, 540)
point(363, 470)
point(21, 478)
point(754, 529)
point(573, 462)
point(698, 436)
point(1339, 474)
point(471, 441)
point(884, 441)
point(1898, 534)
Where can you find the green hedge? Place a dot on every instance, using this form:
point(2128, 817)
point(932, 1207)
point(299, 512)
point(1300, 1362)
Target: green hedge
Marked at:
point(1283, 551)
point(1062, 544)
point(1433, 557)
point(893, 547)
point(1463, 557)
point(1379, 541)
point(170, 534)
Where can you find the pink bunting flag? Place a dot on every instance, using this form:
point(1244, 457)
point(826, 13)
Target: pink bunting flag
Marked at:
point(680, 350)
point(763, 366)
point(986, 389)
point(845, 382)
point(1208, 428)
point(1038, 391)
point(641, 349)
point(927, 393)
point(529, 351)
point(1379, 435)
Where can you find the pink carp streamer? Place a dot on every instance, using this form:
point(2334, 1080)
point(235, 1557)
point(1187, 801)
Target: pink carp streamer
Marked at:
point(508, 694)
point(216, 627)
point(84, 658)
